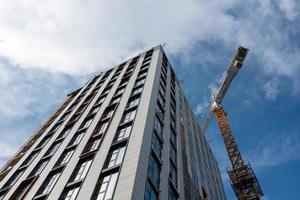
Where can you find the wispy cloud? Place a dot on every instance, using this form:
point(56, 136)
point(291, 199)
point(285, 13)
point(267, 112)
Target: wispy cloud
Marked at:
point(271, 88)
point(277, 150)
point(27, 98)
point(81, 36)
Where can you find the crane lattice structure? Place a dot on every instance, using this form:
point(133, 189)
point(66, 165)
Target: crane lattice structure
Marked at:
point(243, 179)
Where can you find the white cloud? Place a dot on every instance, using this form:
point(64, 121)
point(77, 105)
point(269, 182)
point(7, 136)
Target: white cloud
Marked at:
point(27, 98)
point(271, 88)
point(21, 89)
point(82, 36)
point(277, 150)
point(289, 8)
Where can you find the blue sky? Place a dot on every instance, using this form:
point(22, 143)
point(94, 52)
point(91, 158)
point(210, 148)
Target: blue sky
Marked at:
point(48, 48)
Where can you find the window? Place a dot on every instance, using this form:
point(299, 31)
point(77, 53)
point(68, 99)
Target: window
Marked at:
point(43, 142)
point(123, 133)
point(137, 90)
point(173, 137)
point(173, 153)
point(172, 195)
point(64, 158)
point(93, 145)
point(100, 129)
point(64, 133)
point(13, 179)
point(119, 91)
point(115, 157)
point(86, 123)
point(94, 110)
point(49, 183)
point(139, 82)
point(154, 171)
point(105, 190)
point(173, 174)
point(52, 149)
point(100, 100)
point(108, 114)
point(39, 168)
point(150, 193)
point(76, 139)
point(30, 158)
point(64, 116)
point(128, 116)
point(55, 128)
point(133, 102)
point(22, 189)
point(142, 74)
point(81, 170)
point(157, 126)
point(106, 91)
point(70, 193)
point(115, 100)
point(156, 145)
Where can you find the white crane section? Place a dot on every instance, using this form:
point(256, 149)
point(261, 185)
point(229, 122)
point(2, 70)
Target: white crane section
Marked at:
point(231, 72)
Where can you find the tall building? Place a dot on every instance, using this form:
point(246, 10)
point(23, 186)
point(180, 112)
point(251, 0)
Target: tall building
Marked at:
point(128, 133)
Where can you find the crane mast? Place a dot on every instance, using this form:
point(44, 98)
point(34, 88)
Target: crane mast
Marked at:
point(243, 179)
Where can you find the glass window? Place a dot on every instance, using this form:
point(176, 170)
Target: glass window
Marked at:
point(139, 82)
point(94, 110)
point(81, 170)
point(150, 193)
point(100, 100)
point(123, 133)
point(107, 187)
point(108, 114)
point(52, 149)
point(154, 171)
point(119, 91)
point(93, 145)
point(64, 158)
point(49, 183)
point(173, 174)
point(173, 137)
point(173, 153)
point(55, 128)
point(101, 128)
point(86, 123)
point(157, 126)
point(13, 179)
point(156, 145)
point(30, 158)
point(115, 157)
point(39, 168)
point(172, 195)
point(106, 91)
point(76, 139)
point(64, 116)
point(43, 142)
point(142, 74)
point(70, 193)
point(64, 133)
point(137, 90)
point(128, 116)
point(115, 100)
point(133, 102)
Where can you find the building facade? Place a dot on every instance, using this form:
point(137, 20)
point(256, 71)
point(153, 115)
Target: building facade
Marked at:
point(128, 133)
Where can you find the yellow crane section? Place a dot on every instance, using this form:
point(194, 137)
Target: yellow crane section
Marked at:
point(243, 179)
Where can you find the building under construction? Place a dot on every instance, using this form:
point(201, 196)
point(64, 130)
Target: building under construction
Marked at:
point(128, 133)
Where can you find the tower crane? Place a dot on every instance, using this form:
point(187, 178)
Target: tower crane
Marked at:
point(242, 177)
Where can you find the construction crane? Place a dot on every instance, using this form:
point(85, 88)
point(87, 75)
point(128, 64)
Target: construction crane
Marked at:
point(243, 179)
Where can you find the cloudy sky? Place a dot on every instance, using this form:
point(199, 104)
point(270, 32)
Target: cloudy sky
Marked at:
point(49, 47)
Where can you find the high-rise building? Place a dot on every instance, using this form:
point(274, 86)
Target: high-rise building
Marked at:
point(128, 133)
